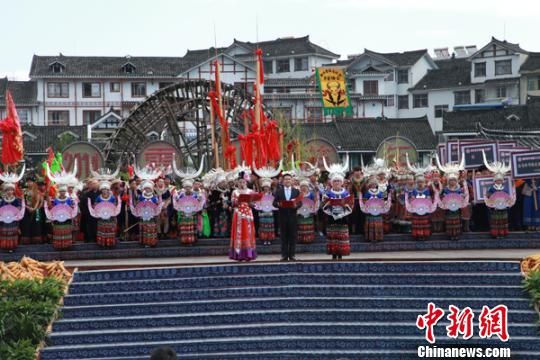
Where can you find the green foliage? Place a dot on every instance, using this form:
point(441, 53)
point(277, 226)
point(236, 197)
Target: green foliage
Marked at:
point(291, 134)
point(26, 309)
point(18, 350)
point(62, 141)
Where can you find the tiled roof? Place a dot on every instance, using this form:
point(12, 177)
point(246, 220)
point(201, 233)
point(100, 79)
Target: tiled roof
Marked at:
point(510, 118)
point(367, 134)
point(532, 63)
point(511, 46)
point(107, 66)
point(23, 92)
point(45, 136)
point(287, 47)
point(451, 73)
point(406, 58)
point(194, 57)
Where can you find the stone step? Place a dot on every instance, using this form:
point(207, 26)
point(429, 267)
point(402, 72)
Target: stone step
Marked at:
point(261, 344)
point(298, 315)
point(400, 267)
point(297, 290)
point(104, 287)
point(267, 328)
point(388, 305)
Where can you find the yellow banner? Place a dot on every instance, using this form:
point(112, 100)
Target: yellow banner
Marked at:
point(333, 87)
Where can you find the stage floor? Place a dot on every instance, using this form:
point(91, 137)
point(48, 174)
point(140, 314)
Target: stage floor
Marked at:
point(395, 246)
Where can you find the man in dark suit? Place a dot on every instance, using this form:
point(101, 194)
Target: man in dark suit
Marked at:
point(287, 217)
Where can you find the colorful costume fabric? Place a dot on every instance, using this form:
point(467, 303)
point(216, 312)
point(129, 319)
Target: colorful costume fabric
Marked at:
point(242, 246)
point(421, 224)
point(9, 233)
point(337, 232)
point(219, 216)
point(148, 229)
point(374, 225)
point(531, 207)
point(498, 219)
point(452, 219)
point(62, 237)
point(306, 225)
point(266, 231)
point(187, 223)
point(32, 224)
point(106, 229)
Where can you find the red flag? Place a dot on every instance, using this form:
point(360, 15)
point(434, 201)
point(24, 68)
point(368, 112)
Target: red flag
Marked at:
point(12, 144)
point(260, 66)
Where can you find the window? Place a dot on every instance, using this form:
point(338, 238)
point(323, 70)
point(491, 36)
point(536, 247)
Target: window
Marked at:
point(23, 116)
point(403, 76)
point(111, 122)
point(301, 64)
point(503, 67)
point(128, 68)
point(314, 114)
point(90, 116)
point(371, 87)
point(351, 85)
point(91, 89)
point(267, 65)
point(152, 136)
point(479, 69)
point(479, 96)
point(403, 101)
point(164, 84)
point(501, 92)
point(420, 100)
point(115, 87)
point(389, 76)
point(439, 110)
point(283, 66)
point(462, 97)
point(533, 83)
point(138, 89)
point(58, 117)
point(57, 68)
point(58, 90)
point(389, 101)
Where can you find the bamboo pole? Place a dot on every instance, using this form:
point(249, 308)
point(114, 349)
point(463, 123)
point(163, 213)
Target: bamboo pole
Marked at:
point(221, 114)
point(258, 95)
point(213, 136)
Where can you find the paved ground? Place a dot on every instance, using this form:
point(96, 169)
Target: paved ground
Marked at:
point(500, 254)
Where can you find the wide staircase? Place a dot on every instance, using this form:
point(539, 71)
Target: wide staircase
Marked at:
point(318, 310)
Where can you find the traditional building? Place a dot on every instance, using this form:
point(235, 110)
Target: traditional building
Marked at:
point(530, 77)
point(364, 139)
point(24, 96)
point(511, 122)
point(77, 90)
point(96, 93)
point(472, 79)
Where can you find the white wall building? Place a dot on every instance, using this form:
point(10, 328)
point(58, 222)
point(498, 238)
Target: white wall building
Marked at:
point(77, 90)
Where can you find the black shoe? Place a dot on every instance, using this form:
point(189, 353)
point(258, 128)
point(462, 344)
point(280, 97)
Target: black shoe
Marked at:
point(292, 258)
point(283, 259)
point(334, 257)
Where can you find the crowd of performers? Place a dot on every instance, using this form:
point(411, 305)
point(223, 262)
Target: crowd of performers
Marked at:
point(248, 203)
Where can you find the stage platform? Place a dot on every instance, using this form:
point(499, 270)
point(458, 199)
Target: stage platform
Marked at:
point(171, 248)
